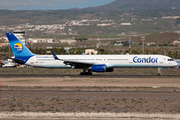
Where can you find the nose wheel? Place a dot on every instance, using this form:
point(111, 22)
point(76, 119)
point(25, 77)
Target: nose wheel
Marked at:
point(158, 74)
point(159, 71)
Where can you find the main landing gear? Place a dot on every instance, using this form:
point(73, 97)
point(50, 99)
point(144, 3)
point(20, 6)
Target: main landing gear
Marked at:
point(86, 73)
point(159, 71)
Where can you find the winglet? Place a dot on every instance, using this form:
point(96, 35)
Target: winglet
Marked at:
point(54, 55)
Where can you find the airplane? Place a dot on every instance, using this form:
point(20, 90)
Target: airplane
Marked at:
point(90, 63)
point(7, 63)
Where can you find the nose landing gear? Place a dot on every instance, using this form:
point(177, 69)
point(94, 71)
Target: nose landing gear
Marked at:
point(159, 71)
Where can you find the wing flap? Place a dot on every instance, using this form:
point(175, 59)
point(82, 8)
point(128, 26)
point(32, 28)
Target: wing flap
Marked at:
point(73, 63)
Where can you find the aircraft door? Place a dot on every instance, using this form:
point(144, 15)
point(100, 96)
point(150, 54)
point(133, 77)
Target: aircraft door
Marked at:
point(130, 60)
point(161, 61)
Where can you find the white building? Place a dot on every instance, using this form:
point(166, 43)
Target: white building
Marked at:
point(90, 52)
point(126, 24)
point(50, 41)
point(35, 41)
point(68, 41)
point(176, 42)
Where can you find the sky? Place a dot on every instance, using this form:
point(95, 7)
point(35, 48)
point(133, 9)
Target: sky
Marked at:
point(50, 4)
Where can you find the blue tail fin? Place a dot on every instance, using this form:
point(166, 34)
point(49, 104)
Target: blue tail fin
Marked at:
point(19, 49)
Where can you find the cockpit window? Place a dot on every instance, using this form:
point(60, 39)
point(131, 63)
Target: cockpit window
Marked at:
point(170, 60)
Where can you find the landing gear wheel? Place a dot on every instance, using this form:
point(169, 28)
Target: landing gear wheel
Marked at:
point(90, 73)
point(158, 74)
point(86, 73)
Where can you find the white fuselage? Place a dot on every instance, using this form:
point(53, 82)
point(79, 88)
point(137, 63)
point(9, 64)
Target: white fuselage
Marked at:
point(111, 61)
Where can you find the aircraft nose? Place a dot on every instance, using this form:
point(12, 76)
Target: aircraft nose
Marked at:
point(175, 63)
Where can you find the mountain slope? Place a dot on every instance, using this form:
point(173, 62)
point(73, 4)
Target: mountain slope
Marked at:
point(125, 5)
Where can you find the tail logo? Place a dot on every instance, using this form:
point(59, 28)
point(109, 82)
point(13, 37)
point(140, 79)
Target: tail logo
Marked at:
point(18, 48)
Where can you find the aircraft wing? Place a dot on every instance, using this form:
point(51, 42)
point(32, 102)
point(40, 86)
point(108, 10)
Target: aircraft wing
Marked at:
point(77, 64)
point(17, 61)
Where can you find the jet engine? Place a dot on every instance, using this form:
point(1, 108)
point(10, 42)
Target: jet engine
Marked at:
point(101, 68)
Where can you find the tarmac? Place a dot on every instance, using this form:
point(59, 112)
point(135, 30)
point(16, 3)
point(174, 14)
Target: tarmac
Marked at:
point(131, 94)
point(86, 76)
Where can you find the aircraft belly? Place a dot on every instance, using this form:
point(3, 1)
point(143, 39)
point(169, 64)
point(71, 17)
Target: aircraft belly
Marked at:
point(136, 66)
point(52, 66)
point(48, 65)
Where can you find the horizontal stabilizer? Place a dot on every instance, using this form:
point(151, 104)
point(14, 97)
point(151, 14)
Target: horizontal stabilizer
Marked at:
point(18, 61)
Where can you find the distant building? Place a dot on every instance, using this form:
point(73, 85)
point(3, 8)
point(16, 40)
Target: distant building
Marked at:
point(146, 19)
point(90, 52)
point(4, 44)
point(171, 17)
point(49, 47)
point(104, 24)
point(48, 52)
point(118, 44)
point(35, 41)
point(68, 41)
point(39, 40)
point(50, 41)
point(32, 40)
point(5, 39)
point(152, 43)
point(126, 24)
point(176, 42)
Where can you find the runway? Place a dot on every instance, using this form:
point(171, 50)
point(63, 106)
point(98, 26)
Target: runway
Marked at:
point(86, 76)
point(39, 96)
point(74, 91)
point(90, 102)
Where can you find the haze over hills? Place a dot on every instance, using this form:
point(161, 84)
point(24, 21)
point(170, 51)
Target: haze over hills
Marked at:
point(145, 16)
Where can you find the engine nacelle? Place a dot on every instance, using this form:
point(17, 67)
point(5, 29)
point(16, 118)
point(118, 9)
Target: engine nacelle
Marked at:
point(101, 68)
